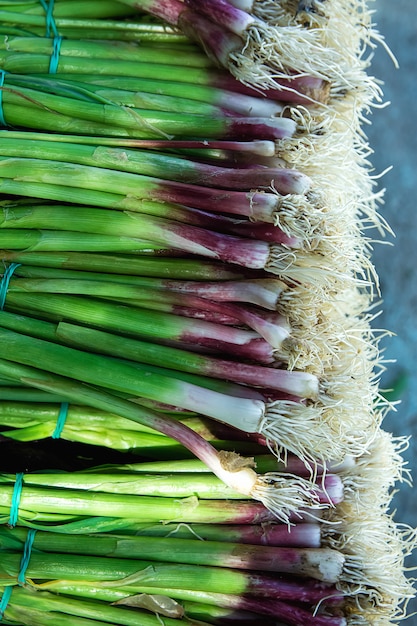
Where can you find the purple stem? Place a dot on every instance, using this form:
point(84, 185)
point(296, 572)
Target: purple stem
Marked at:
point(232, 226)
point(221, 12)
point(292, 614)
point(262, 292)
point(273, 328)
point(260, 147)
point(252, 254)
point(300, 535)
point(217, 42)
point(297, 90)
point(284, 180)
point(200, 314)
point(256, 205)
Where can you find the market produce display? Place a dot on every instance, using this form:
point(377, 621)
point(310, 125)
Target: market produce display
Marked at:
point(187, 213)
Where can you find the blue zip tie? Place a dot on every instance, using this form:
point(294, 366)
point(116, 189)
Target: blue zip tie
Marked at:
point(27, 551)
point(5, 600)
point(2, 120)
point(14, 507)
point(62, 416)
point(53, 63)
point(4, 285)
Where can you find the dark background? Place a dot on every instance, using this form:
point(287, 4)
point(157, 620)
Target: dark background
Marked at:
point(393, 136)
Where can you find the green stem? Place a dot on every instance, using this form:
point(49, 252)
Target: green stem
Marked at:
point(123, 376)
point(167, 268)
point(114, 50)
point(61, 240)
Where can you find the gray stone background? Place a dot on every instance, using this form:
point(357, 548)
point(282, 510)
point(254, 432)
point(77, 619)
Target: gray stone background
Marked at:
point(393, 136)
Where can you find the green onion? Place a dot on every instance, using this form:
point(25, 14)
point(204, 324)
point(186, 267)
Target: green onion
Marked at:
point(35, 109)
point(163, 166)
point(32, 608)
point(176, 550)
point(115, 50)
point(257, 148)
point(108, 222)
point(151, 93)
point(327, 489)
point(227, 466)
point(263, 292)
point(61, 240)
point(86, 425)
point(272, 328)
point(260, 206)
point(27, 9)
point(157, 568)
point(168, 268)
point(159, 327)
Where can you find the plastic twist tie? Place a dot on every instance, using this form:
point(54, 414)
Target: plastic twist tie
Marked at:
point(5, 600)
point(2, 120)
point(4, 285)
point(60, 423)
point(27, 551)
point(51, 30)
point(48, 7)
point(53, 63)
point(17, 492)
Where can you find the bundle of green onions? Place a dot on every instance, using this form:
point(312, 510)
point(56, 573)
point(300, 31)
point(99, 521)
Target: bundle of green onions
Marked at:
point(187, 275)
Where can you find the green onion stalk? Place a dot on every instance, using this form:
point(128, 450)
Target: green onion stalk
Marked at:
point(230, 468)
point(91, 219)
point(156, 232)
point(29, 607)
point(114, 50)
point(320, 564)
point(27, 9)
point(328, 489)
point(33, 420)
point(158, 95)
point(136, 30)
point(218, 88)
point(262, 292)
point(43, 329)
point(229, 153)
point(158, 602)
point(149, 163)
point(272, 327)
point(302, 535)
point(258, 206)
point(35, 109)
point(81, 184)
point(154, 95)
point(76, 241)
point(256, 150)
point(161, 328)
point(166, 268)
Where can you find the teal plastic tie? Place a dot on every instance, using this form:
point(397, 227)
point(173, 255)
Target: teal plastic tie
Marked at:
point(4, 285)
point(48, 7)
point(53, 63)
point(27, 551)
point(51, 30)
point(17, 492)
point(60, 423)
point(2, 120)
point(5, 600)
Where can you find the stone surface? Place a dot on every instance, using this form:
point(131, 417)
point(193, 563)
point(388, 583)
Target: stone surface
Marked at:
point(393, 136)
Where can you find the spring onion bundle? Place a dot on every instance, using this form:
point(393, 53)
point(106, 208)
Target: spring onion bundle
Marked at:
point(187, 275)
